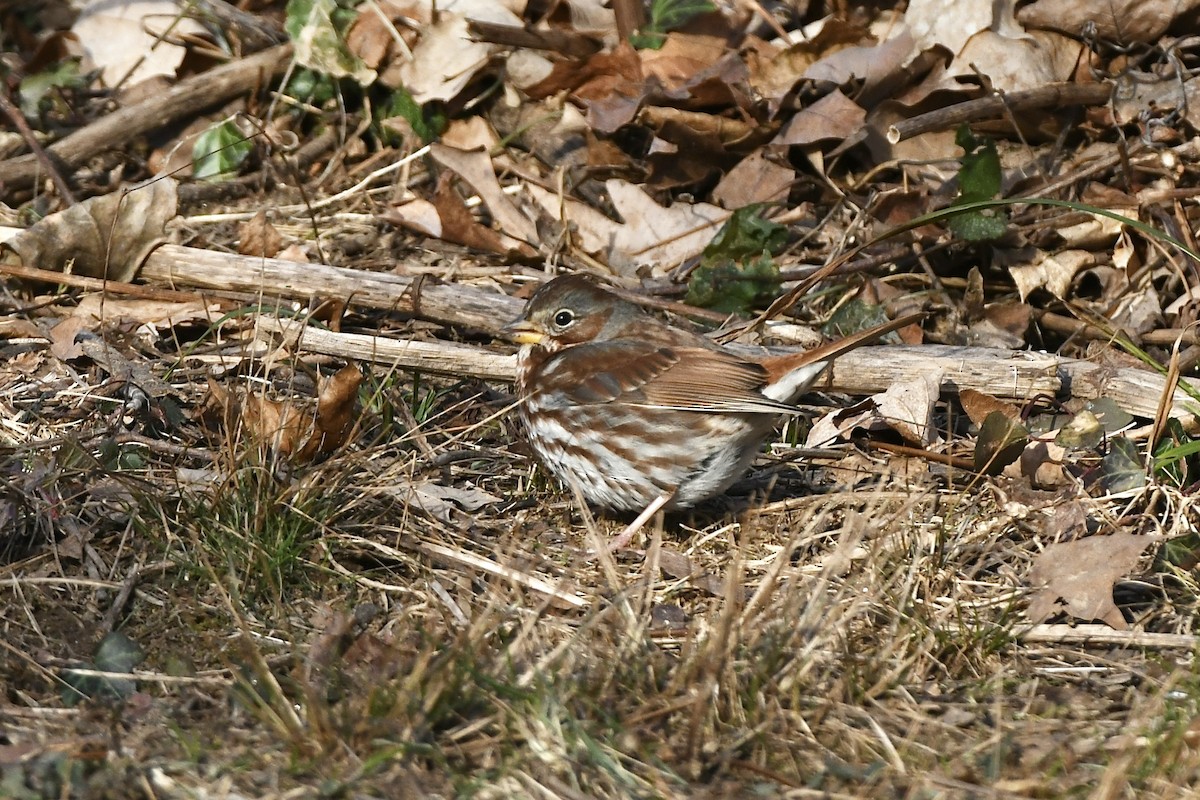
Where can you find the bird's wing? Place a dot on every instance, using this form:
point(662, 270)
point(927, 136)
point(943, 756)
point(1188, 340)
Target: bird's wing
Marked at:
point(651, 375)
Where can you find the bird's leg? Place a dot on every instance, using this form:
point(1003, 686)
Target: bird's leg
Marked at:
point(632, 528)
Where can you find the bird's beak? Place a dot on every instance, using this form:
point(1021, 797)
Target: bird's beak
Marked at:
point(522, 331)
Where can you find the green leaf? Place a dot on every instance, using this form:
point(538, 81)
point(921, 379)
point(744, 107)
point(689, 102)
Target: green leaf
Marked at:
point(1182, 552)
point(34, 88)
point(736, 270)
point(318, 44)
point(667, 15)
point(1174, 454)
point(428, 121)
point(315, 88)
point(978, 179)
point(731, 287)
point(1001, 442)
point(1083, 430)
point(1122, 466)
point(853, 317)
point(219, 152)
point(747, 234)
point(116, 653)
point(1112, 417)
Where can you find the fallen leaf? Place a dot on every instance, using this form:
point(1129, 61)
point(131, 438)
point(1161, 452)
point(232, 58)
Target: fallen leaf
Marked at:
point(593, 230)
point(94, 308)
point(337, 411)
point(907, 407)
point(257, 237)
point(833, 117)
point(1052, 272)
point(978, 405)
point(1077, 577)
point(266, 422)
point(1118, 21)
point(656, 236)
point(62, 339)
point(448, 57)
point(1042, 464)
point(679, 566)
point(124, 38)
point(440, 501)
point(755, 179)
point(103, 237)
point(475, 167)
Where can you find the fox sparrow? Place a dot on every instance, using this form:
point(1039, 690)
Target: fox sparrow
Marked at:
point(641, 415)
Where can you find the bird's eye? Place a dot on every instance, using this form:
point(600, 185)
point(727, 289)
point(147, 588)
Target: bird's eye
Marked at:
point(563, 318)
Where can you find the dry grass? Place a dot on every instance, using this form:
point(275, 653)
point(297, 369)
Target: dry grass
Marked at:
point(309, 629)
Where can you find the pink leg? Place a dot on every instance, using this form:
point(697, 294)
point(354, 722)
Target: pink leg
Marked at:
point(642, 518)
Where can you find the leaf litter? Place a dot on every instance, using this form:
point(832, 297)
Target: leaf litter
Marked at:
point(374, 547)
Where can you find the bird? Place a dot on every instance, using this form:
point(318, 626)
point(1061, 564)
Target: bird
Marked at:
point(640, 415)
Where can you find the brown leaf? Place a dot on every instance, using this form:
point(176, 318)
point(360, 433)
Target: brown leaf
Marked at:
point(476, 168)
point(907, 407)
point(1122, 21)
point(337, 411)
point(257, 237)
point(96, 307)
point(1043, 464)
point(832, 118)
point(457, 224)
point(104, 237)
point(755, 179)
point(264, 422)
point(656, 236)
point(978, 405)
point(1077, 577)
point(62, 339)
point(677, 565)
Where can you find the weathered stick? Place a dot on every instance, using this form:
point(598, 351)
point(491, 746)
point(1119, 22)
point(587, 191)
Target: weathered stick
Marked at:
point(439, 358)
point(455, 304)
point(1003, 373)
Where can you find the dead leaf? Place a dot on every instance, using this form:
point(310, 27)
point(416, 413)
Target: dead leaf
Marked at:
point(417, 215)
point(94, 308)
point(124, 38)
point(656, 236)
point(257, 237)
point(19, 328)
point(679, 566)
point(337, 411)
point(475, 167)
point(1051, 271)
point(1012, 64)
point(907, 407)
point(947, 23)
point(440, 501)
point(1122, 21)
point(104, 237)
point(593, 230)
point(978, 405)
point(757, 178)
point(842, 421)
point(832, 118)
point(62, 339)
point(1077, 577)
point(1042, 464)
point(448, 57)
point(457, 224)
point(268, 423)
